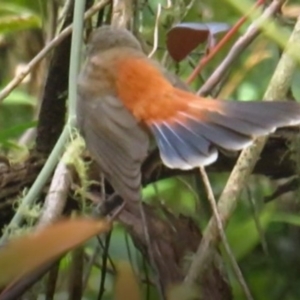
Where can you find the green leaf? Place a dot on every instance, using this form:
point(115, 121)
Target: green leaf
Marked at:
point(23, 21)
point(14, 131)
point(242, 234)
point(19, 98)
point(289, 218)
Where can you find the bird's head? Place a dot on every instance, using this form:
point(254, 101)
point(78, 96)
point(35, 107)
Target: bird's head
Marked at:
point(108, 37)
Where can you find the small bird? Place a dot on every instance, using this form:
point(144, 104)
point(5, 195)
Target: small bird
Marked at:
point(125, 99)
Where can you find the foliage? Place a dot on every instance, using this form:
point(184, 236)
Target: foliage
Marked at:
point(264, 237)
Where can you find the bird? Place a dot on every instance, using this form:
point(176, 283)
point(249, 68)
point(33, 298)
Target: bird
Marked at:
point(126, 101)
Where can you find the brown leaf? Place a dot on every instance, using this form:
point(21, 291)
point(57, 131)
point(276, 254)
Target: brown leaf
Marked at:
point(26, 253)
point(183, 38)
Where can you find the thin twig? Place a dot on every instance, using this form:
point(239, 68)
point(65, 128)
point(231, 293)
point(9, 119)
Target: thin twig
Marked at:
point(76, 273)
point(152, 261)
point(121, 13)
point(104, 265)
point(60, 185)
point(216, 215)
point(57, 195)
point(271, 29)
point(113, 269)
point(42, 54)
point(89, 266)
point(277, 89)
point(64, 10)
point(257, 222)
point(51, 281)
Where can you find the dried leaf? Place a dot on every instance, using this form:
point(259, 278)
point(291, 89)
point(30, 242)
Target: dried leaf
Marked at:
point(183, 38)
point(26, 253)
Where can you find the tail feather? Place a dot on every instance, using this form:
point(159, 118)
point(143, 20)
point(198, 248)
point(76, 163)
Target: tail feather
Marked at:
point(244, 126)
point(190, 150)
point(269, 115)
point(190, 138)
point(219, 135)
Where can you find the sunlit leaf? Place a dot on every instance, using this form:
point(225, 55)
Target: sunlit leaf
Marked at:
point(26, 253)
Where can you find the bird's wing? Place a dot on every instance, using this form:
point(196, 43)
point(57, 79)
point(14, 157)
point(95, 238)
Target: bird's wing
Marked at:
point(116, 141)
point(188, 128)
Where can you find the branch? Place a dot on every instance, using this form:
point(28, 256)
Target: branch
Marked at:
point(211, 198)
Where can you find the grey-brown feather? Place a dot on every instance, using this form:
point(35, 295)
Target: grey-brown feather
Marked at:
point(116, 141)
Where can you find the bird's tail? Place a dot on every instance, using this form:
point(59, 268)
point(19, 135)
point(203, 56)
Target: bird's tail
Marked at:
point(191, 137)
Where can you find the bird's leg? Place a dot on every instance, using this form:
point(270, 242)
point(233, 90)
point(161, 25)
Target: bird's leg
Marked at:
point(113, 202)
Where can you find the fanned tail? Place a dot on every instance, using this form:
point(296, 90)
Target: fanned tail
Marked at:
point(190, 137)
